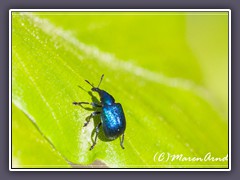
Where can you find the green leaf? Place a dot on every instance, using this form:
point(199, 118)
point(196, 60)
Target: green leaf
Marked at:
point(149, 68)
point(30, 147)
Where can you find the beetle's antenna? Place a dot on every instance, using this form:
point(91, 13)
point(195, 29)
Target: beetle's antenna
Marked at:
point(101, 80)
point(89, 83)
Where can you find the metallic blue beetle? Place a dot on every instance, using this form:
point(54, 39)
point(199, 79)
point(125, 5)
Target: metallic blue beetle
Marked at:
point(112, 115)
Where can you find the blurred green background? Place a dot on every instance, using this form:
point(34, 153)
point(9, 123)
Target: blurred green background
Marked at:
point(169, 70)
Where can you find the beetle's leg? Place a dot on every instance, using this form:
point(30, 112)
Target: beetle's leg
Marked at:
point(97, 131)
point(95, 104)
point(90, 117)
point(121, 143)
point(92, 103)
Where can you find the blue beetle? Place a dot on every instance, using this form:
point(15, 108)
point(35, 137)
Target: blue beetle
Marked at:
point(112, 116)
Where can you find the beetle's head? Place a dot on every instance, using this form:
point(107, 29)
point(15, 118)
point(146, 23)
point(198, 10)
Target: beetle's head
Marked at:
point(95, 88)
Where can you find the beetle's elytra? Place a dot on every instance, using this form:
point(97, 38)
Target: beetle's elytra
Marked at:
point(112, 116)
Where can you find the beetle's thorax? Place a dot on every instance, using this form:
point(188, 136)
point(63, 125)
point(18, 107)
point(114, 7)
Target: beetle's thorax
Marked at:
point(106, 98)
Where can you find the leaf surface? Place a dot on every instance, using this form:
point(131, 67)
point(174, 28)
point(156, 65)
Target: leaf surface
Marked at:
point(149, 69)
